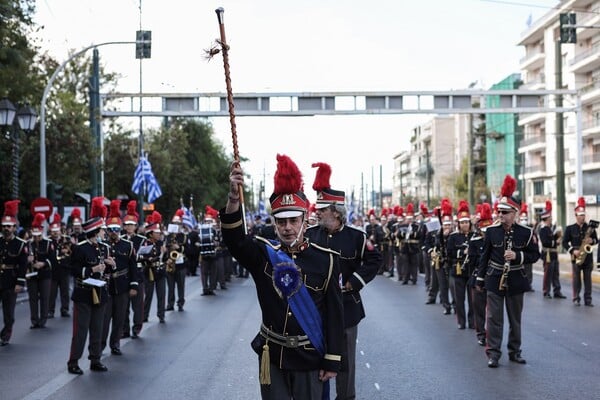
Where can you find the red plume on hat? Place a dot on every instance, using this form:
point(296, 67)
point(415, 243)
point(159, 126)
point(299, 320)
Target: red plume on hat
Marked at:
point(547, 210)
point(38, 220)
point(211, 212)
point(114, 217)
point(580, 208)
point(154, 220)
point(524, 209)
point(424, 210)
point(36, 225)
point(397, 210)
point(322, 177)
point(446, 208)
point(506, 191)
point(385, 212)
point(132, 216)
point(371, 212)
point(56, 221)
point(326, 196)
point(11, 208)
point(98, 209)
point(287, 199)
point(76, 213)
point(410, 210)
point(485, 218)
point(178, 217)
point(462, 214)
point(288, 178)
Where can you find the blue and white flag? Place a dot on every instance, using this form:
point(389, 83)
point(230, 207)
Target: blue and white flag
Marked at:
point(188, 218)
point(144, 181)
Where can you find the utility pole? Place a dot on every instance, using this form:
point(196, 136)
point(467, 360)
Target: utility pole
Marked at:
point(428, 174)
point(470, 151)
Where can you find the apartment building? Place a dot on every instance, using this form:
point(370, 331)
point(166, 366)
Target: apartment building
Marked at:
point(429, 168)
point(580, 71)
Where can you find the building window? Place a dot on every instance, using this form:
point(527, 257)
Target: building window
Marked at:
point(538, 188)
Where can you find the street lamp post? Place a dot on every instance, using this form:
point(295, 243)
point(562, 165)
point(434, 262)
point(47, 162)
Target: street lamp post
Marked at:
point(26, 118)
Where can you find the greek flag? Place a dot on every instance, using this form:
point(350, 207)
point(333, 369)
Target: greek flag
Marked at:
point(352, 209)
point(144, 181)
point(188, 218)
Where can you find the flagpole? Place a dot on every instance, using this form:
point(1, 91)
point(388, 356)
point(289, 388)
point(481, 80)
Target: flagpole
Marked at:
point(236, 155)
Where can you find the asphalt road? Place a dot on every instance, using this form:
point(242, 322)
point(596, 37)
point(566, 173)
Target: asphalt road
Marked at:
point(406, 350)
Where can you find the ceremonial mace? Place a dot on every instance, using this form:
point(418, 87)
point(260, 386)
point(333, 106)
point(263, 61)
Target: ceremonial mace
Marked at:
point(224, 50)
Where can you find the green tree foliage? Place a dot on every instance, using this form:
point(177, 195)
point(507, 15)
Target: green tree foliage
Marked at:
point(185, 158)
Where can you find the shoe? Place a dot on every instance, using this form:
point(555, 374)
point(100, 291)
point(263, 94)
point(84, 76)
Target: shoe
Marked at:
point(547, 296)
point(517, 358)
point(161, 320)
point(3, 342)
point(461, 326)
point(145, 320)
point(223, 287)
point(560, 296)
point(65, 314)
point(50, 315)
point(493, 363)
point(405, 282)
point(98, 366)
point(481, 342)
point(531, 290)
point(577, 301)
point(34, 326)
point(116, 351)
point(430, 301)
point(170, 308)
point(180, 308)
point(134, 335)
point(589, 305)
point(447, 311)
point(212, 293)
point(414, 282)
point(74, 369)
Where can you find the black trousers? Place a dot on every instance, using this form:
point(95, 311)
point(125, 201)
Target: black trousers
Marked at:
point(160, 283)
point(136, 304)
point(86, 318)
point(114, 317)
point(9, 301)
point(60, 283)
point(551, 277)
point(176, 279)
point(459, 288)
point(39, 298)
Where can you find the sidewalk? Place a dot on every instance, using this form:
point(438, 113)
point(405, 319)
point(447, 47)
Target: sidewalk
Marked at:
point(564, 261)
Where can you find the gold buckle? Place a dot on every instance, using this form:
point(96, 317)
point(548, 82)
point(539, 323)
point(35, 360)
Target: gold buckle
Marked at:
point(291, 341)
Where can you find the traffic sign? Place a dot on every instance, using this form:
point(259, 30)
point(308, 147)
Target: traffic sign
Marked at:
point(41, 205)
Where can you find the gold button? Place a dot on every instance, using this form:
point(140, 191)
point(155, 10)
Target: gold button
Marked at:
point(289, 314)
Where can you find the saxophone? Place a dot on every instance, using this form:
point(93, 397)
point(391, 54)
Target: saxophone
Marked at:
point(586, 248)
point(506, 268)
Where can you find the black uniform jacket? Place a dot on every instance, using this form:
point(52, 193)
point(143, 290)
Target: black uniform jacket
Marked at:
point(126, 275)
point(43, 251)
point(524, 244)
point(359, 262)
point(573, 238)
point(85, 256)
point(320, 271)
point(456, 245)
point(13, 262)
point(549, 244)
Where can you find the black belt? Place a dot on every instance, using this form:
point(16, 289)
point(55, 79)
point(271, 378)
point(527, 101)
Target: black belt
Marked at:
point(551, 250)
point(7, 266)
point(119, 273)
point(291, 342)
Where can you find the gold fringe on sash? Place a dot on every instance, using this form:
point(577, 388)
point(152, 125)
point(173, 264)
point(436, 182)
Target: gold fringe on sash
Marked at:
point(548, 257)
point(95, 297)
point(265, 366)
point(458, 269)
point(150, 275)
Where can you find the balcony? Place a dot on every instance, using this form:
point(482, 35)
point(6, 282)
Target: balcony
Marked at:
point(586, 61)
point(590, 126)
point(533, 60)
point(532, 143)
point(591, 159)
point(536, 83)
point(590, 93)
point(590, 18)
point(526, 119)
point(535, 169)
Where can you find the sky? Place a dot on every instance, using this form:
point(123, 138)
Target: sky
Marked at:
point(299, 46)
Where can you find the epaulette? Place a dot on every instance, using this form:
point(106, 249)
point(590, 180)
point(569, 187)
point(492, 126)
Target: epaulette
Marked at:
point(453, 233)
point(268, 242)
point(127, 241)
point(20, 239)
point(82, 242)
point(474, 238)
point(356, 228)
point(325, 249)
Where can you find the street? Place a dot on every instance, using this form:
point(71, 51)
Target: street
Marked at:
point(406, 350)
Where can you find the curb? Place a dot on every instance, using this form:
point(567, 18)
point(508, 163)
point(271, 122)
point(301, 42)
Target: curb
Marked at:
point(564, 263)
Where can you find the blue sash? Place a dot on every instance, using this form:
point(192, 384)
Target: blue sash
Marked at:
point(289, 284)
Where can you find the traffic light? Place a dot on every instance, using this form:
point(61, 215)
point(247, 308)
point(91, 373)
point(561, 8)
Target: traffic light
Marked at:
point(143, 44)
point(54, 192)
point(568, 31)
